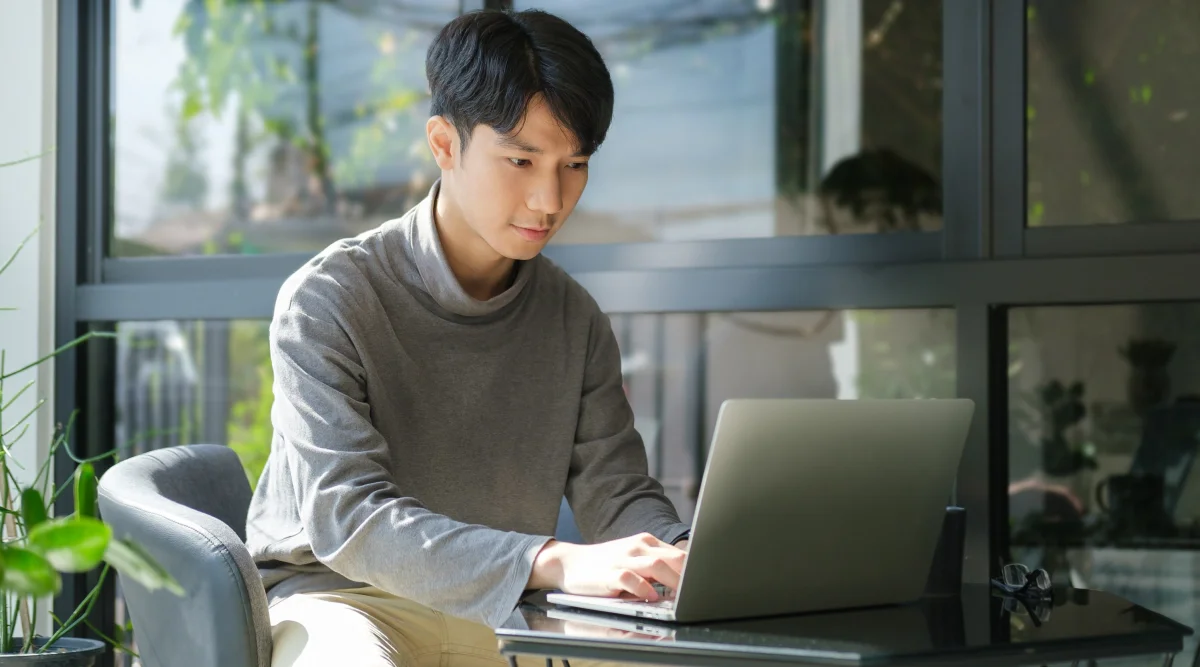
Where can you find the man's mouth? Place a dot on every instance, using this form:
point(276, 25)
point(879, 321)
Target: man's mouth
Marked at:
point(532, 234)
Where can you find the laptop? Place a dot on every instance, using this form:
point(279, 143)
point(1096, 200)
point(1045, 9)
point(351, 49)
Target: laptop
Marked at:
point(812, 505)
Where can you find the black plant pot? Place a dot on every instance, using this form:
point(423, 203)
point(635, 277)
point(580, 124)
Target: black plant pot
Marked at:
point(66, 652)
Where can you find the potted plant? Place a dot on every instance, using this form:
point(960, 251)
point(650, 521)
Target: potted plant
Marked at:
point(1149, 382)
point(36, 548)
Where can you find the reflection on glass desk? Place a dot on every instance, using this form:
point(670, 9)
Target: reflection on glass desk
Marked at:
point(976, 628)
point(1153, 503)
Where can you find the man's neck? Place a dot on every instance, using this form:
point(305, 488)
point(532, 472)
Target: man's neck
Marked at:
point(481, 271)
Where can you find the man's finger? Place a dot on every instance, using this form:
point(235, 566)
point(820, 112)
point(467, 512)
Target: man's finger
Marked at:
point(672, 556)
point(658, 569)
point(636, 585)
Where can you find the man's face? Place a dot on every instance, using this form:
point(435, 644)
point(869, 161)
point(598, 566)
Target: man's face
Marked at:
point(515, 192)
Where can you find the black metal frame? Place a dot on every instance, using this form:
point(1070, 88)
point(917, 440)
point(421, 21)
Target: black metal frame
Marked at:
point(983, 262)
point(84, 177)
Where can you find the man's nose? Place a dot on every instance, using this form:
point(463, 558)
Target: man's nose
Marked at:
point(546, 198)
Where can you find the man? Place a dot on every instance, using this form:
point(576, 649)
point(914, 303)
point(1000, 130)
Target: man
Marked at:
point(439, 386)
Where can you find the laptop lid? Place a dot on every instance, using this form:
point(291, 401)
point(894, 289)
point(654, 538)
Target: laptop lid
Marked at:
point(810, 505)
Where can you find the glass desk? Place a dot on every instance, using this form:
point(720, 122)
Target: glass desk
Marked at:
point(976, 628)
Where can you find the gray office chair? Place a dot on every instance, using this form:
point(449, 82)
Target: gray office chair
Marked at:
point(187, 507)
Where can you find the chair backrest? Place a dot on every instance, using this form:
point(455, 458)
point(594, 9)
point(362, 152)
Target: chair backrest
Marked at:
point(186, 506)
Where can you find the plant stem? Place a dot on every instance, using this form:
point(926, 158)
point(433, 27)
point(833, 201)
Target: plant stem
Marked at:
point(6, 637)
point(20, 245)
point(6, 633)
point(29, 630)
point(29, 414)
point(58, 441)
point(32, 635)
point(23, 160)
point(124, 648)
point(78, 341)
point(17, 395)
point(10, 527)
point(81, 612)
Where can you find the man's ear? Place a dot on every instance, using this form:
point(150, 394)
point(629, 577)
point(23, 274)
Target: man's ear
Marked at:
point(443, 141)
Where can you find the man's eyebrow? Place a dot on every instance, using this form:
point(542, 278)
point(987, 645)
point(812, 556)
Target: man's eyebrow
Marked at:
point(513, 142)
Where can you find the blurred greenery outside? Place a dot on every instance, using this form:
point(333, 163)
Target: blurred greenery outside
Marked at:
point(250, 429)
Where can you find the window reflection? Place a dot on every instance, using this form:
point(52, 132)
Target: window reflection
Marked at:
point(246, 127)
point(1105, 410)
point(1104, 427)
point(757, 118)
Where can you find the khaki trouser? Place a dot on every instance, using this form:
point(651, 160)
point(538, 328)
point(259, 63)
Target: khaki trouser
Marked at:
point(365, 627)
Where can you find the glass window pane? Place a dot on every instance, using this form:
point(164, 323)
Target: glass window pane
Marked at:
point(758, 118)
point(734, 119)
point(1111, 121)
point(1104, 424)
point(680, 367)
point(251, 127)
point(190, 382)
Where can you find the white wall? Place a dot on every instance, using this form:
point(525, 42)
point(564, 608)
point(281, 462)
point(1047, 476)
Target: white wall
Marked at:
point(27, 79)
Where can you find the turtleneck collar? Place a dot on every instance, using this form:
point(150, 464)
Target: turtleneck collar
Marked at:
point(429, 257)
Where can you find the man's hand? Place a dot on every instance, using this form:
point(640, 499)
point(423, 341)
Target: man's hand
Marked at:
point(682, 544)
point(628, 566)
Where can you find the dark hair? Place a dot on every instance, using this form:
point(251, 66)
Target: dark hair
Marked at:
point(485, 66)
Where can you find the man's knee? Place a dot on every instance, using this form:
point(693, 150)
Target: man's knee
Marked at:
point(308, 631)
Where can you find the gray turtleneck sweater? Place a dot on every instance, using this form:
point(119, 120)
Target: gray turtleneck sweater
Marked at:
point(424, 439)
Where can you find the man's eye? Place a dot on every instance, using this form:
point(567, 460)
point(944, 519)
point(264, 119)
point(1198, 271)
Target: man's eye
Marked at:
point(519, 162)
point(578, 166)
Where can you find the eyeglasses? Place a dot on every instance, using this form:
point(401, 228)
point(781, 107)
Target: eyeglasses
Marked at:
point(1038, 610)
point(1025, 590)
point(1018, 580)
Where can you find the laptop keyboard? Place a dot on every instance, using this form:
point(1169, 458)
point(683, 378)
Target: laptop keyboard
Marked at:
point(666, 599)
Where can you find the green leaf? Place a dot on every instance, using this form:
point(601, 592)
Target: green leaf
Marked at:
point(33, 509)
point(134, 563)
point(192, 106)
point(73, 544)
point(85, 491)
point(182, 24)
point(28, 573)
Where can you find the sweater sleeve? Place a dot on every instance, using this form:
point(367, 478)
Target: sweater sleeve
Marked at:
point(358, 521)
point(609, 486)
